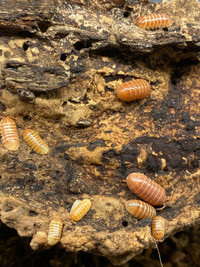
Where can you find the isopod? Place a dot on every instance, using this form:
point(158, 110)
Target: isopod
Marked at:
point(132, 90)
point(80, 209)
point(153, 21)
point(55, 231)
point(10, 137)
point(139, 209)
point(146, 189)
point(75, 204)
point(158, 228)
point(35, 141)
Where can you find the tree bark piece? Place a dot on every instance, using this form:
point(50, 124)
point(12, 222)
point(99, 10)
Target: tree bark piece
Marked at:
point(60, 64)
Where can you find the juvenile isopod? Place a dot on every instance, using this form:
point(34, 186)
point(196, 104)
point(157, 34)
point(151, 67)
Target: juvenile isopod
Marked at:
point(10, 137)
point(158, 228)
point(132, 90)
point(55, 231)
point(80, 209)
point(35, 141)
point(153, 21)
point(139, 209)
point(146, 189)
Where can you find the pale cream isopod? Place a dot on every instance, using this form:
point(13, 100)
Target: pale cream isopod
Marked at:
point(55, 231)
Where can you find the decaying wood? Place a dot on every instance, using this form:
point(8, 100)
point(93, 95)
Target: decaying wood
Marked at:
point(60, 64)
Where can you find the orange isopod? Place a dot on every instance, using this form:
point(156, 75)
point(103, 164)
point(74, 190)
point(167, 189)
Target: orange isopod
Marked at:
point(10, 137)
point(80, 209)
point(35, 141)
point(132, 90)
point(146, 189)
point(158, 228)
point(153, 21)
point(139, 209)
point(55, 231)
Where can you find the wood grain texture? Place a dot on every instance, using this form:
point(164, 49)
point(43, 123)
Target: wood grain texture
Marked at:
point(65, 59)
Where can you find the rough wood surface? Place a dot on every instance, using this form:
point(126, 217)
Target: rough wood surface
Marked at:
point(60, 63)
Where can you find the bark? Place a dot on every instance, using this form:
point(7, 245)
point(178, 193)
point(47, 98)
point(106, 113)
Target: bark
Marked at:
point(61, 62)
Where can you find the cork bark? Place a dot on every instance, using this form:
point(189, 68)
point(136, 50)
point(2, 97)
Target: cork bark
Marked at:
point(60, 63)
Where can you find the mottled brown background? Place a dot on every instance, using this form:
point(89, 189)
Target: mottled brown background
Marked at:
point(60, 62)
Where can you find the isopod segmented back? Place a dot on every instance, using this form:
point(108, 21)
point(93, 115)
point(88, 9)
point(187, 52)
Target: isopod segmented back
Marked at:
point(132, 90)
point(35, 141)
point(55, 231)
point(158, 228)
point(153, 21)
point(80, 209)
point(9, 133)
point(146, 189)
point(139, 209)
